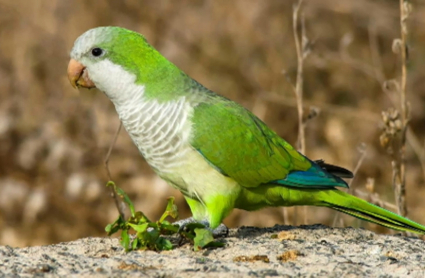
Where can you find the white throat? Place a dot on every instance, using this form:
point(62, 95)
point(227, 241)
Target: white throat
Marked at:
point(160, 130)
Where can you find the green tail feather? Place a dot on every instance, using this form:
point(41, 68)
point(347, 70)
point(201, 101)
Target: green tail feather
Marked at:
point(359, 208)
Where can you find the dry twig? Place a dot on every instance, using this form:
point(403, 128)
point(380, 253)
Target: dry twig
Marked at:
point(399, 158)
point(401, 184)
point(121, 206)
point(299, 81)
point(301, 47)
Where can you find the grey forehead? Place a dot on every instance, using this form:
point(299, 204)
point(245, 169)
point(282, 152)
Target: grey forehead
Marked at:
point(87, 40)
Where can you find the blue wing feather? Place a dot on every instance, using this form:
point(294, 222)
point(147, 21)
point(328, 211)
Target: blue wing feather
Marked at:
point(315, 177)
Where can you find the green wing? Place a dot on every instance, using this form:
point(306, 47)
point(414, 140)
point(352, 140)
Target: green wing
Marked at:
point(241, 146)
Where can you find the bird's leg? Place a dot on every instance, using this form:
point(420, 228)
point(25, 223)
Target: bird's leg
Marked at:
point(220, 231)
point(200, 215)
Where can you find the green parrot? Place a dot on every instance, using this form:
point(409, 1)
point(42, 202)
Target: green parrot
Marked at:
point(217, 153)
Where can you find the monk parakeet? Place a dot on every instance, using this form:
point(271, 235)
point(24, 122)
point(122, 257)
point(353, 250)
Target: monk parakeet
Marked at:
point(217, 153)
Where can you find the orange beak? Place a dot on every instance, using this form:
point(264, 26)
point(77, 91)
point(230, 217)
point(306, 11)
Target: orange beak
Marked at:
point(78, 75)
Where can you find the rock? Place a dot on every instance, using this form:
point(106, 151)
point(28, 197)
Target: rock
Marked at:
point(286, 251)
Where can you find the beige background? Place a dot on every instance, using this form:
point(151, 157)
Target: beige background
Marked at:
point(53, 140)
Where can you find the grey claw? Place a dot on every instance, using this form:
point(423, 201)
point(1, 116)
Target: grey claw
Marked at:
point(220, 231)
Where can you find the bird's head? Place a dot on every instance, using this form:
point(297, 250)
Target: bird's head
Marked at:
point(115, 60)
point(106, 57)
point(96, 51)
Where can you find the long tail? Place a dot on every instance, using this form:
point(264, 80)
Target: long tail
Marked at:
point(359, 208)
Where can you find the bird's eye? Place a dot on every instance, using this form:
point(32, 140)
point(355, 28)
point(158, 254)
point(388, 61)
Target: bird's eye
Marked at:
point(96, 52)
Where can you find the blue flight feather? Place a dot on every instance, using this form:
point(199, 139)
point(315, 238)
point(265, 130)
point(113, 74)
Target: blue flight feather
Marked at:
point(315, 177)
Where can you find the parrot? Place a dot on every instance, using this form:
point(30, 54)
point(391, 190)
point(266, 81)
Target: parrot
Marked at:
point(217, 153)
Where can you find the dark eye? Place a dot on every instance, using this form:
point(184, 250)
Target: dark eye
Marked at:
point(96, 52)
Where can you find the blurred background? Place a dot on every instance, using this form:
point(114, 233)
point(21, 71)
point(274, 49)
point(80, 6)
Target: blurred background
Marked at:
point(54, 139)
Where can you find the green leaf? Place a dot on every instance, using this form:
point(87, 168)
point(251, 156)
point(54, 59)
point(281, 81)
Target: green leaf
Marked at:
point(190, 236)
point(139, 228)
point(215, 244)
point(112, 229)
point(125, 240)
point(170, 210)
point(115, 227)
point(109, 227)
point(139, 218)
point(135, 243)
point(168, 229)
point(203, 239)
point(149, 234)
point(153, 225)
point(193, 226)
point(164, 244)
point(153, 235)
point(123, 196)
point(189, 230)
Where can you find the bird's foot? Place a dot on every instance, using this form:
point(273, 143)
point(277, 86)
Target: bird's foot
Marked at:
point(220, 231)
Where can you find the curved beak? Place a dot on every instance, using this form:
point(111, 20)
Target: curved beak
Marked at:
point(78, 76)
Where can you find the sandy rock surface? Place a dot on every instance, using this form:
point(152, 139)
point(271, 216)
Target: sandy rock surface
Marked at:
point(306, 251)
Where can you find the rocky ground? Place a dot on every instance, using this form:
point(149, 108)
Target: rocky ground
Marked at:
point(306, 251)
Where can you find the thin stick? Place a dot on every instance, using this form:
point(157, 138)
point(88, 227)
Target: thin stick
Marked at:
point(108, 154)
point(363, 151)
point(401, 173)
point(299, 92)
point(121, 206)
point(299, 81)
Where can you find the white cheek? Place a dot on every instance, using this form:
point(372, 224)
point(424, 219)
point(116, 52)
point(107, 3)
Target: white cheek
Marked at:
point(111, 78)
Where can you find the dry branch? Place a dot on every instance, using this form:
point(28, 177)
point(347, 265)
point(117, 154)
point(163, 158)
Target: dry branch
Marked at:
point(121, 206)
point(399, 165)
